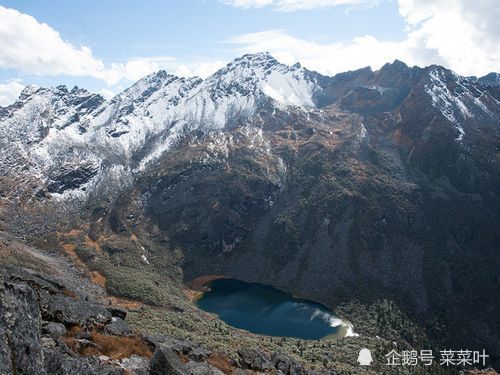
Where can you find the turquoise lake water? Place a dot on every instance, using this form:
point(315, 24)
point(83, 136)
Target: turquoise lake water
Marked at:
point(265, 310)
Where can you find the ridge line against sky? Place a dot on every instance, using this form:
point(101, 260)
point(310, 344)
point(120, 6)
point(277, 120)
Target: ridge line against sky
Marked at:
point(37, 45)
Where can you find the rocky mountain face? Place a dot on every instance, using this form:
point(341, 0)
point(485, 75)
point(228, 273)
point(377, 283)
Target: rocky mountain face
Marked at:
point(492, 79)
point(364, 185)
point(74, 142)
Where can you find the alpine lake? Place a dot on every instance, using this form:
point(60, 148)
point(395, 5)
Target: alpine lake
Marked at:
point(265, 310)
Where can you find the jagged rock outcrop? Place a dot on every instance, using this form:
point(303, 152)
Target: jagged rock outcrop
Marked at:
point(20, 324)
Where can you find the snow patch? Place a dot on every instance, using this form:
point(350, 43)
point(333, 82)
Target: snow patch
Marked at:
point(350, 331)
point(453, 105)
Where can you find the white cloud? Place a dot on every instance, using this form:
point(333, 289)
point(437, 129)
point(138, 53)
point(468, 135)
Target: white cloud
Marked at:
point(463, 35)
point(246, 4)
point(294, 5)
point(460, 34)
point(31, 47)
point(325, 58)
point(199, 68)
point(9, 92)
point(136, 68)
point(36, 48)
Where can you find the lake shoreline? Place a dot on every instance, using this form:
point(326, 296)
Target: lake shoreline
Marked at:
point(195, 288)
point(198, 287)
point(265, 310)
point(199, 284)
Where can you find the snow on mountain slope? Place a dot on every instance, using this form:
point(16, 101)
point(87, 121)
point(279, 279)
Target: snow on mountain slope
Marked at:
point(51, 131)
point(262, 74)
point(234, 94)
point(149, 107)
point(74, 141)
point(30, 128)
point(457, 98)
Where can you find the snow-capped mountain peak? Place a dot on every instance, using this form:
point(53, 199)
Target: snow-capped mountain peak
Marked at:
point(52, 132)
point(53, 127)
point(261, 73)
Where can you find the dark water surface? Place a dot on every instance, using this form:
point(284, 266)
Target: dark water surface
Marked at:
point(265, 310)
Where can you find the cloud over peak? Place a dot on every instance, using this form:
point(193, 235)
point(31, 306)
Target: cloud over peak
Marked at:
point(460, 34)
point(36, 48)
point(463, 35)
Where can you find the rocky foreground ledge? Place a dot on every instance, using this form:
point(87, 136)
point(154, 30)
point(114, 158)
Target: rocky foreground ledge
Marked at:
point(47, 327)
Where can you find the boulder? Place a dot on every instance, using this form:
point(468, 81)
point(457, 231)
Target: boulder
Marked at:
point(286, 364)
point(178, 345)
point(118, 327)
point(53, 330)
point(203, 368)
point(84, 335)
point(136, 365)
point(253, 359)
point(63, 364)
point(20, 321)
point(117, 312)
point(60, 308)
point(165, 362)
point(198, 354)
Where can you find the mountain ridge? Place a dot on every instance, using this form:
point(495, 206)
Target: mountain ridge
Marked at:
point(162, 107)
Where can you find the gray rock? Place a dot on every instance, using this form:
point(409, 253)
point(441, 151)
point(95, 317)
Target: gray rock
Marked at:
point(165, 362)
point(63, 364)
point(136, 365)
point(178, 345)
point(285, 364)
point(254, 360)
point(85, 335)
point(60, 308)
point(20, 329)
point(117, 311)
point(198, 354)
point(5, 354)
point(118, 327)
point(297, 370)
point(203, 368)
point(54, 330)
point(48, 343)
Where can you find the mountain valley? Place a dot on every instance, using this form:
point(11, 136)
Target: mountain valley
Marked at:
point(374, 193)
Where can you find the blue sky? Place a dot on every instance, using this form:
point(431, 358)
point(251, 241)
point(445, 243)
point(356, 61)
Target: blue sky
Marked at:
point(108, 44)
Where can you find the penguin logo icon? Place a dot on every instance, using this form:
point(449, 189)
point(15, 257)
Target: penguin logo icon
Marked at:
point(365, 357)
